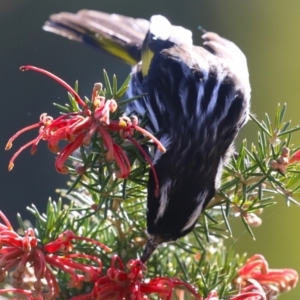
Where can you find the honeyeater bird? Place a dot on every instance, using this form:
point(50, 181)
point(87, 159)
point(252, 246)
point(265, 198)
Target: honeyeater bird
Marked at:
point(196, 100)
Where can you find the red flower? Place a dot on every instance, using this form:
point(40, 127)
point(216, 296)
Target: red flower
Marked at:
point(127, 283)
point(20, 252)
point(78, 127)
point(260, 282)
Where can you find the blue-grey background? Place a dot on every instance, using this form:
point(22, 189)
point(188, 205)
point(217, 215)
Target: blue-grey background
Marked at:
point(267, 31)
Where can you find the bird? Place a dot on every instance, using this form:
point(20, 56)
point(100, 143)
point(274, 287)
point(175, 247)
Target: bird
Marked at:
point(196, 99)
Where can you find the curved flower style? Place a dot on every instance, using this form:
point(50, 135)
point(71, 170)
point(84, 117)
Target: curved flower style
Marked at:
point(18, 252)
point(77, 128)
point(127, 283)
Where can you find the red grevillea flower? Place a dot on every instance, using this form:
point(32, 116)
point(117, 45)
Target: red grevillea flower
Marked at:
point(262, 283)
point(17, 253)
point(122, 282)
point(77, 128)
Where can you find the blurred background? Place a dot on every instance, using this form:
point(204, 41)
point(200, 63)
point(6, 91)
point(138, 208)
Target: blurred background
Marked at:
point(267, 31)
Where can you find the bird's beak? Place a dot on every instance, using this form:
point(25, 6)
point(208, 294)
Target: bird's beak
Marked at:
point(149, 249)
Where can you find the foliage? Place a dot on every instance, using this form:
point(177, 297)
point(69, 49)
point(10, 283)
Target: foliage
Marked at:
point(104, 207)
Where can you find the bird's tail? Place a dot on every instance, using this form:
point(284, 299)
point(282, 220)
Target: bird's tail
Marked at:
point(115, 34)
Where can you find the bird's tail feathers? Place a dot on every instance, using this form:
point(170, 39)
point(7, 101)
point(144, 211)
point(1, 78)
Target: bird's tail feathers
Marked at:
point(118, 35)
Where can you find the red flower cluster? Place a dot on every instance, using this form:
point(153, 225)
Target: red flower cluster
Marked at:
point(18, 253)
point(119, 281)
point(77, 128)
point(127, 283)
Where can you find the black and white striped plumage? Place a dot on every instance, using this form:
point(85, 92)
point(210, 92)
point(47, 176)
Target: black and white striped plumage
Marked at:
point(197, 100)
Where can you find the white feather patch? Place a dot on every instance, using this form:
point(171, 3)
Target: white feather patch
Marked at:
point(195, 215)
point(164, 199)
point(162, 29)
point(219, 174)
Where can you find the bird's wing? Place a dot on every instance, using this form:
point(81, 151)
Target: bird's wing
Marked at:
point(118, 35)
